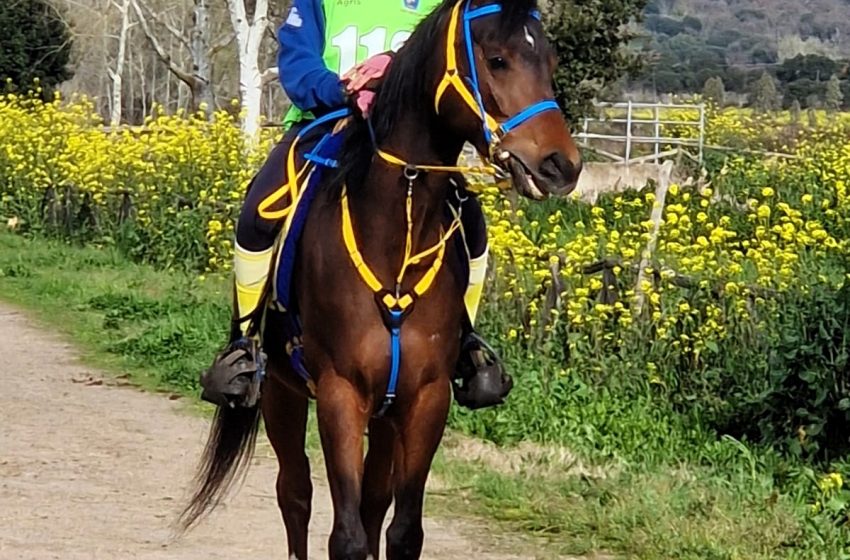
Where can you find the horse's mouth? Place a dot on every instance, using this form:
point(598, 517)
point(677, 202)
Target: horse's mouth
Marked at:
point(523, 179)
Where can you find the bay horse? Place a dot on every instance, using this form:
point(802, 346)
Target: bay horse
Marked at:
point(472, 71)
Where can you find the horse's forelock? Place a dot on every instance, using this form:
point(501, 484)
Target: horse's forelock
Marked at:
point(515, 13)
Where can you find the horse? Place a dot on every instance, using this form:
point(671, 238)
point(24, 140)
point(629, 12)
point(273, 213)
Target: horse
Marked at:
point(381, 344)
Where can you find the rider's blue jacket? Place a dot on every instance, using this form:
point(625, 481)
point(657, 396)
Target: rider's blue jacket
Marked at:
point(307, 80)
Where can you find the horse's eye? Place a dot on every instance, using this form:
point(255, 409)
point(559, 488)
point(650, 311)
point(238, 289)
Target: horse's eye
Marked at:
point(497, 63)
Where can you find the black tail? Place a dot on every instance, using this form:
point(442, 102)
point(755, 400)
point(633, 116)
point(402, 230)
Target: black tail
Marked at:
point(229, 449)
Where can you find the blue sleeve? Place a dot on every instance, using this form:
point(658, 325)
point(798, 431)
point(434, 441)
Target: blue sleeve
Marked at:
point(305, 78)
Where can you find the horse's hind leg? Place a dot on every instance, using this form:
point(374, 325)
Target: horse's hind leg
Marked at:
point(285, 414)
point(343, 414)
point(420, 434)
point(377, 482)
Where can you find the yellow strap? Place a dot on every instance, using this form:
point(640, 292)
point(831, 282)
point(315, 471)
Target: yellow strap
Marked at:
point(369, 277)
point(408, 241)
point(425, 282)
point(451, 53)
point(351, 245)
point(397, 161)
point(290, 188)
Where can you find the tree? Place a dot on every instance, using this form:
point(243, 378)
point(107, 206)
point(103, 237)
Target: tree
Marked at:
point(589, 39)
point(198, 78)
point(117, 75)
point(833, 96)
point(813, 67)
point(714, 90)
point(34, 44)
point(765, 97)
point(250, 30)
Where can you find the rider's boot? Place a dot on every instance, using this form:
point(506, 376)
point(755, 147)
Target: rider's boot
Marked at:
point(236, 373)
point(480, 379)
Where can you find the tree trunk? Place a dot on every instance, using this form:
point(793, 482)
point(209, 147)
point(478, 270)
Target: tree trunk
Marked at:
point(251, 90)
point(197, 82)
point(118, 74)
point(200, 47)
point(249, 38)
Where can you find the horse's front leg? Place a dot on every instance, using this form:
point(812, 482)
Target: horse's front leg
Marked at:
point(285, 414)
point(343, 413)
point(422, 426)
point(377, 481)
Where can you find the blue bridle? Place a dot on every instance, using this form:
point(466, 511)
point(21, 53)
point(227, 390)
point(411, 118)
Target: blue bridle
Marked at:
point(494, 131)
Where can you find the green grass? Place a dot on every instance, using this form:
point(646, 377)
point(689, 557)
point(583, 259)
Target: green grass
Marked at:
point(159, 327)
point(717, 499)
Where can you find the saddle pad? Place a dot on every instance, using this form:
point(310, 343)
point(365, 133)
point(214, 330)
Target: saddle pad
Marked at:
point(290, 234)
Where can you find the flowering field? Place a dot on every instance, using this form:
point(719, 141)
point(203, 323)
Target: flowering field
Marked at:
point(736, 328)
point(732, 256)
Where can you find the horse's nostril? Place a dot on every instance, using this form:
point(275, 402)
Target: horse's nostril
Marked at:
point(559, 170)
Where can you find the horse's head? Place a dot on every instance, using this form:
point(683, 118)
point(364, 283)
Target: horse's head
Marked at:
point(497, 90)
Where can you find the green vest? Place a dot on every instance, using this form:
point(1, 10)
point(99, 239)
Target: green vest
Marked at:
point(358, 29)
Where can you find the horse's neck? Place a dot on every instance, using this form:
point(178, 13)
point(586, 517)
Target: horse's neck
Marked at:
point(380, 210)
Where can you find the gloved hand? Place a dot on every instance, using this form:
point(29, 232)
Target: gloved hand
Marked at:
point(357, 80)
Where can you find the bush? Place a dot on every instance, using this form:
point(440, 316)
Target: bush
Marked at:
point(592, 37)
point(807, 405)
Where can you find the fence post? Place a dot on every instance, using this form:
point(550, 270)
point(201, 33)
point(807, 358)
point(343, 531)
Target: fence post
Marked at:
point(655, 217)
point(628, 133)
point(657, 133)
point(701, 131)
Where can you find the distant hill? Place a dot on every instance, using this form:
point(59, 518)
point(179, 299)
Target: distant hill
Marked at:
point(757, 30)
point(693, 40)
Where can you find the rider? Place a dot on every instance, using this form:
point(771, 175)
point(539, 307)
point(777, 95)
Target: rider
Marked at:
point(323, 45)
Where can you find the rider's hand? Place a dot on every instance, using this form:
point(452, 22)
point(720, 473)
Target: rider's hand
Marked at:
point(373, 68)
point(358, 80)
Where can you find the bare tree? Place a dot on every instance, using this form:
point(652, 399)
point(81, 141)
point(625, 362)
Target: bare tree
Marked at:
point(172, 53)
point(198, 78)
point(250, 33)
point(117, 75)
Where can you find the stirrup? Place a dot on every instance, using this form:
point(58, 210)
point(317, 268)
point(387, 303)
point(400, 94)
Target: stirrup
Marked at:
point(236, 374)
point(481, 380)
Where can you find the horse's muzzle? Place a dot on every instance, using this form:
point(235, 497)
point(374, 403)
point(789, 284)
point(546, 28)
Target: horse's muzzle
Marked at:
point(556, 175)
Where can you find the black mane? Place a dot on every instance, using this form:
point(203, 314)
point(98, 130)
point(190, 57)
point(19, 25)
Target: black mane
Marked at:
point(405, 88)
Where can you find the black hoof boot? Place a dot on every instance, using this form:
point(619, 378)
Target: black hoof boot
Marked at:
point(235, 376)
point(481, 380)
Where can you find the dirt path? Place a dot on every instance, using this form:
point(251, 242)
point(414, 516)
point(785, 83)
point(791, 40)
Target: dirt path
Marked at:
point(90, 470)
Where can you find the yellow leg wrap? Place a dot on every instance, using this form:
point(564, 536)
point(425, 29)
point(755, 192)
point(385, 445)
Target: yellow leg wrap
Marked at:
point(251, 270)
point(475, 289)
